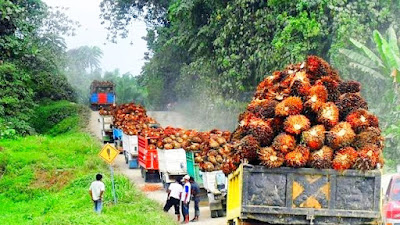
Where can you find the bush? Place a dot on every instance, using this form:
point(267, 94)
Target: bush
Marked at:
point(61, 113)
point(16, 99)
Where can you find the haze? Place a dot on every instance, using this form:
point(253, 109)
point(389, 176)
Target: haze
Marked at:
point(126, 55)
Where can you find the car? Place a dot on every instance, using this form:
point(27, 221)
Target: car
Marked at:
point(391, 202)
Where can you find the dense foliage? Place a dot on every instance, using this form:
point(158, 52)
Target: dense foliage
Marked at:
point(32, 61)
point(202, 51)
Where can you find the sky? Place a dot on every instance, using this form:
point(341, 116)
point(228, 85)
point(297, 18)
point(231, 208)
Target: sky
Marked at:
point(124, 56)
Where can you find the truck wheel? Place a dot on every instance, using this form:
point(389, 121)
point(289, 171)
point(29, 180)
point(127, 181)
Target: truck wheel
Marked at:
point(142, 172)
point(221, 213)
point(214, 213)
point(126, 158)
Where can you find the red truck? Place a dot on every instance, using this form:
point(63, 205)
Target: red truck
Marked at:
point(148, 159)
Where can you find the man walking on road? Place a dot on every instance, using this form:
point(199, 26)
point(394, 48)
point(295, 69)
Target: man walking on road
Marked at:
point(195, 193)
point(174, 195)
point(96, 191)
point(185, 198)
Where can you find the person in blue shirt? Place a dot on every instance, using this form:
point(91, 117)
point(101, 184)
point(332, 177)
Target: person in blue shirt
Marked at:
point(185, 198)
point(195, 194)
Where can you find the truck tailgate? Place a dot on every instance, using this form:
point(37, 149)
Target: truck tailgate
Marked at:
point(297, 196)
point(172, 161)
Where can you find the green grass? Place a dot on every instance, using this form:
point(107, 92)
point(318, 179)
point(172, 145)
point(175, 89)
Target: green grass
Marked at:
point(45, 180)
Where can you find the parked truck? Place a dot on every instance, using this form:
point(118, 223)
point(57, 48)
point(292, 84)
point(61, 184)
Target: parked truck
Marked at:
point(172, 165)
point(102, 94)
point(303, 196)
point(148, 159)
point(193, 169)
point(106, 128)
point(130, 146)
point(216, 185)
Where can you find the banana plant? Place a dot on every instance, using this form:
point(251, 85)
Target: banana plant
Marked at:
point(385, 64)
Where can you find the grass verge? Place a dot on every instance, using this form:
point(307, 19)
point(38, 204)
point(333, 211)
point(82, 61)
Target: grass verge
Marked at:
point(45, 180)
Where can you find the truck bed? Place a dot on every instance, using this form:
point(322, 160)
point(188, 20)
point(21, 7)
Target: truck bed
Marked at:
point(304, 196)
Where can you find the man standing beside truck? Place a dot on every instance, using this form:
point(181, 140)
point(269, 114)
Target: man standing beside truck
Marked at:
point(185, 198)
point(196, 198)
point(174, 195)
point(96, 191)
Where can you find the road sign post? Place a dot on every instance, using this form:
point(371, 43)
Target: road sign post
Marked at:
point(108, 153)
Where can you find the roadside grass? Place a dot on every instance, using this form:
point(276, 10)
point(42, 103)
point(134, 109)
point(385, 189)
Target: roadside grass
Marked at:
point(45, 180)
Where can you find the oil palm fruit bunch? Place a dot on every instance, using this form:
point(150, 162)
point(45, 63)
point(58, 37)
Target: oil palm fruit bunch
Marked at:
point(306, 116)
point(322, 158)
point(298, 157)
point(271, 158)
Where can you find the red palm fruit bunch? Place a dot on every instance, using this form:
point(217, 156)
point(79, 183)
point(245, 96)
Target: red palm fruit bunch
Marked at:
point(322, 159)
point(349, 87)
point(349, 102)
point(317, 67)
point(296, 124)
point(248, 148)
point(344, 158)
point(314, 138)
point(368, 157)
point(262, 108)
point(317, 96)
point(259, 129)
point(371, 135)
point(341, 135)
point(299, 88)
point(298, 157)
point(289, 106)
point(271, 158)
point(331, 86)
point(328, 114)
point(361, 119)
point(284, 143)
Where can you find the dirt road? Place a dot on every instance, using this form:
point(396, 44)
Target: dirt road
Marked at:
point(134, 175)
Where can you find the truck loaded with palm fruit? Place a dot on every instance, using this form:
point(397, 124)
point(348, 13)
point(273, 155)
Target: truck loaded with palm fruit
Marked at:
point(306, 150)
point(102, 94)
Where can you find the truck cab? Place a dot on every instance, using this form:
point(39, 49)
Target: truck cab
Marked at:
point(102, 94)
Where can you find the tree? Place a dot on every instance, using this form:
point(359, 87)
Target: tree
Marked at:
point(380, 68)
point(85, 57)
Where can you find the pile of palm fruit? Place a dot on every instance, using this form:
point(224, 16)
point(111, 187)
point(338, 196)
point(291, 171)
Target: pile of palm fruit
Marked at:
point(210, 148)
point(172, 138)
point(306, 116)
point(132, 119)
point(105, 112)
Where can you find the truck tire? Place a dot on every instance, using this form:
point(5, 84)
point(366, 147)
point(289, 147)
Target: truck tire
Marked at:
point(221, 213)
point(126, 158)
point(142, 172)
point(214, 213)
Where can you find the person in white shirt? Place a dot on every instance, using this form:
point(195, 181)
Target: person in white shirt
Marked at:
point(96, 191)
point(174, 195)
point(185, 198)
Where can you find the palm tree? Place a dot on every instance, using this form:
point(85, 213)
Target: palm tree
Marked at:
point(86, 57)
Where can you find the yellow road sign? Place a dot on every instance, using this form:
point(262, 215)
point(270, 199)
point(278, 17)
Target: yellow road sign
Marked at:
point(108, 153)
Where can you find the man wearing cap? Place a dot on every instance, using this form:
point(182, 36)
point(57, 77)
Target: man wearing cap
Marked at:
point(185, 198)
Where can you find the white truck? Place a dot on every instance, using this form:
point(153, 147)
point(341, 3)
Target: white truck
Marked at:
point(216, 185)
point(130, 146)
point(172, 165)
point(106, 128)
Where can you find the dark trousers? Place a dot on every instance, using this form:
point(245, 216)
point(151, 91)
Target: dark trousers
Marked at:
point(185, 209)
point(172, 202)
point(196, 206)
